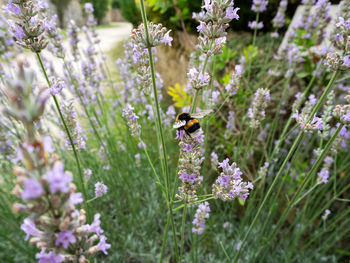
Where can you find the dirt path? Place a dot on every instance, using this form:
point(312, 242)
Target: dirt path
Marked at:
point(109, 37)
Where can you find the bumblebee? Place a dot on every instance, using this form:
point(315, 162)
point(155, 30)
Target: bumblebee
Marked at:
point(189, 122)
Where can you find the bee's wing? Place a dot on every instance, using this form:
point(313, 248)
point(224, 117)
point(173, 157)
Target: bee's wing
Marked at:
point(201, 114)
point(179, 124)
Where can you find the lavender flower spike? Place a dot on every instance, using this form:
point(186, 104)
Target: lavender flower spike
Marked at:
point(257, 110)
point(229, 184)
point(201, 215)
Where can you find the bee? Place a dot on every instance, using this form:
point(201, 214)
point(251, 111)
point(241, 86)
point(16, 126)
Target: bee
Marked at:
point(189, 122)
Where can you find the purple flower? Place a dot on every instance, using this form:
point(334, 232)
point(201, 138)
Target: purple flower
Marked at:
point(224, 164)
point(19, 34)
point(347, 61)
point(259, 5)
point(215, 95)
point(76, 198)
point(231, 13)
point(103, 245)
point(58, 179)
point(30, 229)
point(201, 27)
point(167, 38)
point(229, 184)
point(346, 116)
point(323, 175)
point(220, 41)
point(255, 25)
point(317, 123)
point(65, 238)
point(100, 189)
point(180, 134)
point(95, 226)
point(13, 8)
point(189, 178)
point(89, 8)
point(32, 189)
point(49, 257)
point(201, 215)
point(188, 148)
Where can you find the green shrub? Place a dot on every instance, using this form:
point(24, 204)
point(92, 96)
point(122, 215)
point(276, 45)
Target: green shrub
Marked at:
point(130, 11)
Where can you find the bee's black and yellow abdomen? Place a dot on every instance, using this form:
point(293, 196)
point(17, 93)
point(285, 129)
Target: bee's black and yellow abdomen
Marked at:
point(192, 126)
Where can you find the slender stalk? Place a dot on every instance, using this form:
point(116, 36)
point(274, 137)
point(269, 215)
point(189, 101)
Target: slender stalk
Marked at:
point(196, 94)
point(68, 134)
point(160, 125)
point(183, 227)
point(255, 30)
point(302, 187)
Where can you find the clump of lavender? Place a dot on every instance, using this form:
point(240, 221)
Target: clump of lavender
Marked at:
point(55, 36)
point(100, 189)
point(157, 35)
point(259, 6)
point(235, 80)
point(279, 20)
point(327, 116)
point(201, 215)
point(340, 59)
point(189, 166)
point(6, 40)
point(74, 39)
point(256, 112)
point(263, 170)
point(319, 19)
point(342, 112)
point(198, 80)
point(230, 125)
point(76, 132)
point(214, 20)
point(255, 26)
point(323, 175)
point(229, 184)
point(306, 123)
point(131, 118)
point(26, 26)
point(24, 99)
point(57, 85)
point(47, 191)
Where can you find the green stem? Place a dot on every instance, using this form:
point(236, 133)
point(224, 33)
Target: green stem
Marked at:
point(183, 230)
point(160, 126)
point(68, 134)
point(324, 95)
point(196, 94)
point(255, 30)
point(290, 153)
point(302, 187)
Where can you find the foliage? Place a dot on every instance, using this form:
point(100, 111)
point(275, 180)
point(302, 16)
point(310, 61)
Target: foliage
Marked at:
point(130, 11)
point(116, 4)
point(179, 95)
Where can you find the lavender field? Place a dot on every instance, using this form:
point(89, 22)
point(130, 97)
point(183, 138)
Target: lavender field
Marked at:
point(193, 131)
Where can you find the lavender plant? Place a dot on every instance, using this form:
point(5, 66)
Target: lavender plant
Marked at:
point(283, 119)
point(47, 192)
